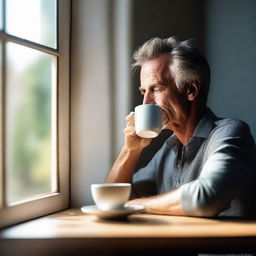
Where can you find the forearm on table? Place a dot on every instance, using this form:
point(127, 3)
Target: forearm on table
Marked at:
point(168, 203)
point(124, 166)
point(223, 177)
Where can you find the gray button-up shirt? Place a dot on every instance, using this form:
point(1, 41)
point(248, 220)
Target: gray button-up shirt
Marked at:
point(215, 170)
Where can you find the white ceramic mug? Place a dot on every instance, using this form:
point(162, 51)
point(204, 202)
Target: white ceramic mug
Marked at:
point(148, 120)
point(110, 196)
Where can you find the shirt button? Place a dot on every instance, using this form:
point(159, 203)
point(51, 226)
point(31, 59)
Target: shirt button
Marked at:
point(178, 165)
point(178, 182)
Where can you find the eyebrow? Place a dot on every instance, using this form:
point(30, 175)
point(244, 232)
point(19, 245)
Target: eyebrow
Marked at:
point(153, 85)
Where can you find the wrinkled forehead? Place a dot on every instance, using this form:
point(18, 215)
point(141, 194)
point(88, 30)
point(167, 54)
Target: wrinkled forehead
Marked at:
point(158, 68)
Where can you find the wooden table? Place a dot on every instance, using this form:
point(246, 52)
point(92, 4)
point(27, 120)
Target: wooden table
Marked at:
point(73, 233)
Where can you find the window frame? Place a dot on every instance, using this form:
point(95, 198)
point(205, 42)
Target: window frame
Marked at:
point(59, 200)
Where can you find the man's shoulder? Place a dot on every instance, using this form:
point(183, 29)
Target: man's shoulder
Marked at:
point(229, 131)
point(231, 136)
point(230, 126)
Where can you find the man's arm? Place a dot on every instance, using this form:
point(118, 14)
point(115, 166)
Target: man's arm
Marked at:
point(124, 166)
point(228, 171)
point(168, 203)
point(127, 160)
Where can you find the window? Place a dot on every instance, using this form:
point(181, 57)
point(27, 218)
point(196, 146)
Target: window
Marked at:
point(34, 128)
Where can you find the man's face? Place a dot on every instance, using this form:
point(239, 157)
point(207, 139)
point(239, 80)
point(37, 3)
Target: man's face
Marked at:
point(158, 87)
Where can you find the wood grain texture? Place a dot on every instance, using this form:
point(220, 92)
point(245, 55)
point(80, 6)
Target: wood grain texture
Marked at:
point(75, 231)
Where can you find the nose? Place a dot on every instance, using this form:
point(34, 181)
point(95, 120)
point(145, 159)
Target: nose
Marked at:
point(148, 98)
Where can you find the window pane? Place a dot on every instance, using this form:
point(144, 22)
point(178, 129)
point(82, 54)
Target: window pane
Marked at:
point(30, 123)
point(34, 20)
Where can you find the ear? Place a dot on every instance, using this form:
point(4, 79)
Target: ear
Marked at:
point(193, 90)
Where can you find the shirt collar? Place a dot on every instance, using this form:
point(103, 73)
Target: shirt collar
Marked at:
point(205, 125)
point(203, 129)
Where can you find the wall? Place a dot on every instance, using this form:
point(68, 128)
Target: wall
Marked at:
point(231, 50)
point(100, 90)
point(91, 101)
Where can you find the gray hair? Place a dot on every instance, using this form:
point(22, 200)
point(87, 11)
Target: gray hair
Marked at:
point(187, 64)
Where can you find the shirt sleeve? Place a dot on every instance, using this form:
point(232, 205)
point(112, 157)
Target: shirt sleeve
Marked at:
point(229, 168)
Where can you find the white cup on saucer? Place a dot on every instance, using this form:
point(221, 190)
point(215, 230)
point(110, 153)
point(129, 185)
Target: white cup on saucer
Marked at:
point(148, 120)
point(110, 196)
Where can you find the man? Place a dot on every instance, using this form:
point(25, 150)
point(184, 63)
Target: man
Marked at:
point(207, 167)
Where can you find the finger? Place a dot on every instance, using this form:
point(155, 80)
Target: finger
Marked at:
point(129, 131)
point(130, 119)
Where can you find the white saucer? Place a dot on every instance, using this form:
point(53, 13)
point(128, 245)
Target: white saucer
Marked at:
point(112, 214)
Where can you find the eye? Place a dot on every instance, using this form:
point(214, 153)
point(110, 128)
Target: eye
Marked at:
point(157, 89)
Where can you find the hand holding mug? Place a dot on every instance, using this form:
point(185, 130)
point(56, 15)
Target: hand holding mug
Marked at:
point(143, 125)
point(132, 140)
